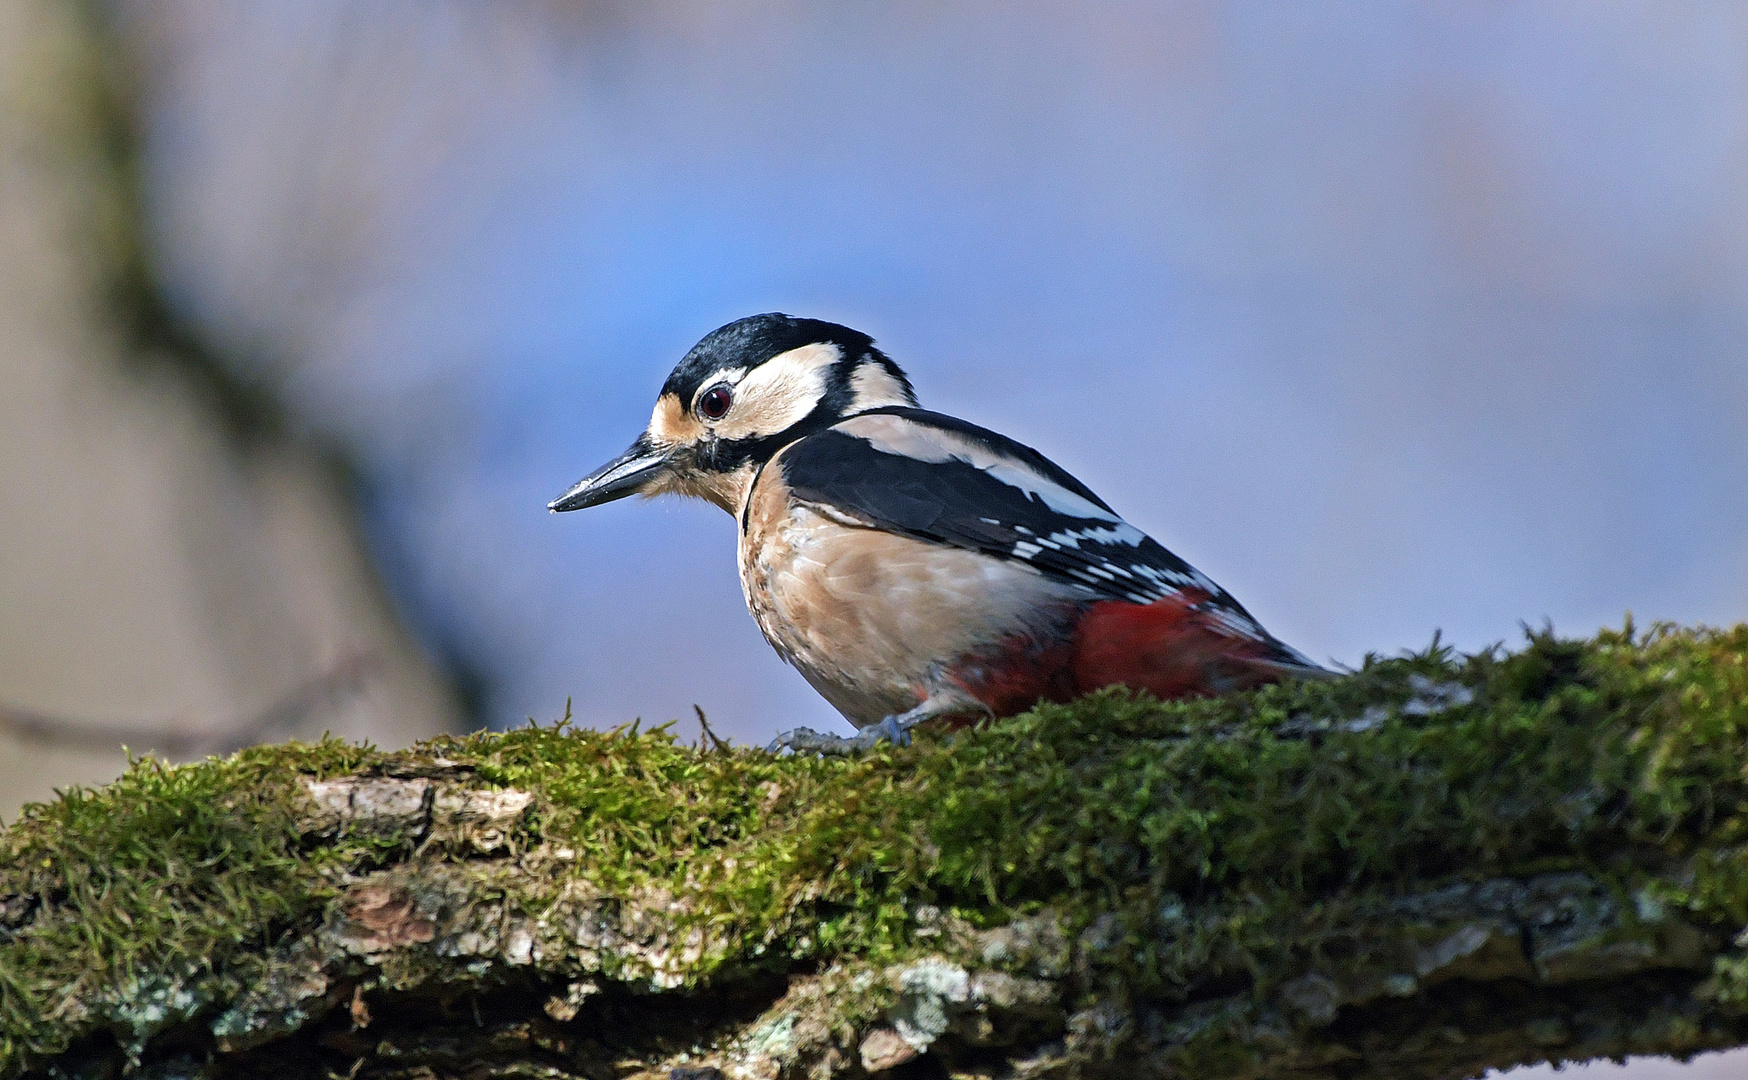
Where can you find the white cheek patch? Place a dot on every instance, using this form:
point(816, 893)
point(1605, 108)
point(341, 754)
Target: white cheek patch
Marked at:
point(896, 435)
point(779, 393)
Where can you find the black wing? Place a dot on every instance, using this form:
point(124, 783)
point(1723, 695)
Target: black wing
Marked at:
point(940, 479)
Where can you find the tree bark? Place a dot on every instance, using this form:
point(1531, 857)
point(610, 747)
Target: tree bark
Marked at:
point(1424, 870)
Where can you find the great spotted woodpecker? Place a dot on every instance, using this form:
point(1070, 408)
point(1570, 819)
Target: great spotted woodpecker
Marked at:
point(912, 565)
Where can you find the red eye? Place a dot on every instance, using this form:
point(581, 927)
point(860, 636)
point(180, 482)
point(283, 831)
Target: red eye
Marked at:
point(714, 403)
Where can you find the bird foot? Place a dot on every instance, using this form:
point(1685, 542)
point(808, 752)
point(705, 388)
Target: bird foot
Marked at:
point(893, 729)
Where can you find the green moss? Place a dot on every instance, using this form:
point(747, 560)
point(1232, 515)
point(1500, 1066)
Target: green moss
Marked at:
point(1186, 836)
point(168, 872)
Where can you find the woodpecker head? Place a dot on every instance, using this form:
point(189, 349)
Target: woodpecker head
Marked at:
point(742, 394)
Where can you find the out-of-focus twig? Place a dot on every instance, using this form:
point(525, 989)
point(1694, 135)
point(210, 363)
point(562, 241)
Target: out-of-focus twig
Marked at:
point(325, 691)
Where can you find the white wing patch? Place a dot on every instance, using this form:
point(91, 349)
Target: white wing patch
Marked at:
point(1120, 533)
point(906, 438)
point(1175, 581)
point(1054, 495)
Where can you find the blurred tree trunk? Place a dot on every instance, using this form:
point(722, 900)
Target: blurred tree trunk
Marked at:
point(179, 572)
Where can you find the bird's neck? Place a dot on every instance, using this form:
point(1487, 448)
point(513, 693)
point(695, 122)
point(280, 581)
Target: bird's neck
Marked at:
point(725, 489)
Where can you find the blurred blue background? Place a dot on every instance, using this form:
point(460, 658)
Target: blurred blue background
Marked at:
point(1391, 317)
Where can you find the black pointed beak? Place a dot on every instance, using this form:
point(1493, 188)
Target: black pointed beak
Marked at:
point(625, 475)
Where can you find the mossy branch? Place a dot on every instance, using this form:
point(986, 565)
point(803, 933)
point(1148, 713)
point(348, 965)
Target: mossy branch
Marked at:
point(1431, 867)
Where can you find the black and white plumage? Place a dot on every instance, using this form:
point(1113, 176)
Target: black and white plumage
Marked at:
point(911, 564)
point(938, 478)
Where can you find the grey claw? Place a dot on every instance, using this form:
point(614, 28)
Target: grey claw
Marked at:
point(789, 740)
point(890, 730)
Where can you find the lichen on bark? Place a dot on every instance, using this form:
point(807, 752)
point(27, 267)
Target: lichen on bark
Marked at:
point(1435, 865)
